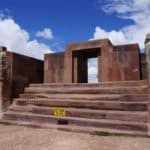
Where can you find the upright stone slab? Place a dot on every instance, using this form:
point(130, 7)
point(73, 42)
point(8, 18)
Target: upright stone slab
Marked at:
point(2, 68)
point(147, 53)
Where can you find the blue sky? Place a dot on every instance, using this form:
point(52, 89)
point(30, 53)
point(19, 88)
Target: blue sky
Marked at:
point(70, 21)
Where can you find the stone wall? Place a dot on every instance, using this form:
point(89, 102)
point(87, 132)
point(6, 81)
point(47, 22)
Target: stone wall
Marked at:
point(125, 63)
point(147, 59)
point(54, 68)
point(1, 98)
point(147, 53)
point(143, 66)
point(4, 83)
point(20, 71)
point(25, 70)
point(115, 63)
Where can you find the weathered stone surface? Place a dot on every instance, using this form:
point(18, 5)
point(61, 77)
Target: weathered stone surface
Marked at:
point(18, 72)
point(85, 113)
point(147, 52)
point(89, 90)
point(143, 66)
point(25, 70)
point(125, 112)
point(115, 63)
point(112, 124)
point(54, 68)
point(102, 84)
point(1, 98)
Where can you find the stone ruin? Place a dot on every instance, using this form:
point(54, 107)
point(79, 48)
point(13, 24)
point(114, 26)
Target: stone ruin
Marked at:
point(55, 93)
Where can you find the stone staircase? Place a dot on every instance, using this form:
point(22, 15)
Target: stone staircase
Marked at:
point(114, 107)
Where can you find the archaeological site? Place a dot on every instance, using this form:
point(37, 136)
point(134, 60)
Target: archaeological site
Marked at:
point(55, 93)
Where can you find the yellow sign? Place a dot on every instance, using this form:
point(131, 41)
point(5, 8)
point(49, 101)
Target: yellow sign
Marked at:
point(59, 112)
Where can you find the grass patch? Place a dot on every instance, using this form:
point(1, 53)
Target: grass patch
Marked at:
point(102, 133)
point(6, 123)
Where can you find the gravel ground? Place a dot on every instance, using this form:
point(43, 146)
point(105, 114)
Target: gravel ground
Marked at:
point(23, 138)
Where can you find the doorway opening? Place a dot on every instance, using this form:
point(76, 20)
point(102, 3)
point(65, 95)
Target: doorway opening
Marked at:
point(85, 65)
point(92, 70)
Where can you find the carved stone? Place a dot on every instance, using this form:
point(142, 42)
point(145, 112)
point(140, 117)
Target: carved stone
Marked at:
point(115, 62)
point(147, 52)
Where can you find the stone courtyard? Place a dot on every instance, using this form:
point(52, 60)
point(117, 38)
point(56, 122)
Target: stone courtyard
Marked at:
point(23, 138)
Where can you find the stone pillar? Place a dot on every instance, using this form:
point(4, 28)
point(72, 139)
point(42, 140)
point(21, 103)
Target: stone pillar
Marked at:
point(2, 76)
point(147, 53)
point(1, 98)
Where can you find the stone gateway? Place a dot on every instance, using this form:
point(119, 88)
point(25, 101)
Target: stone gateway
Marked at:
point(115, 63)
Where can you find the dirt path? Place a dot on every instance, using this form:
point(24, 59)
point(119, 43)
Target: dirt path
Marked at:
point(22, 138)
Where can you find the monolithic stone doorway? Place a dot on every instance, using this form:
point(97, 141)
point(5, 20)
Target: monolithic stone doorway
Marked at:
point(115, 63)
point(80, 64)
point(76, 60)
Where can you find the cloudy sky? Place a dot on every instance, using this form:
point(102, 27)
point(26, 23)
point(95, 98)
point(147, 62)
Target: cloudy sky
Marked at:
point(35, 27)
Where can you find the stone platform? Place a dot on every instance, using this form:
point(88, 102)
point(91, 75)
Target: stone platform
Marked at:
point(115, 107)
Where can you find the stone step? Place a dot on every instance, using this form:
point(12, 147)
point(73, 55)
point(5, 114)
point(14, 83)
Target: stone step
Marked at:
point(119, 107)
point(113, 97)
point(85, 113)
point(84, 122)
point(86, 90)
point(75, 128)
point(134, 97)
point(111, 83)
point(72, 96)
point(92, 104)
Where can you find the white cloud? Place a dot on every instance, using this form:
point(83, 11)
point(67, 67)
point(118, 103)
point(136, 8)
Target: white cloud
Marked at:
point(117, 37)
point(18, 40)
point(46, 33)
point(92, 70)
point(136, 10)
point(35, 47)
point(128, 6)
